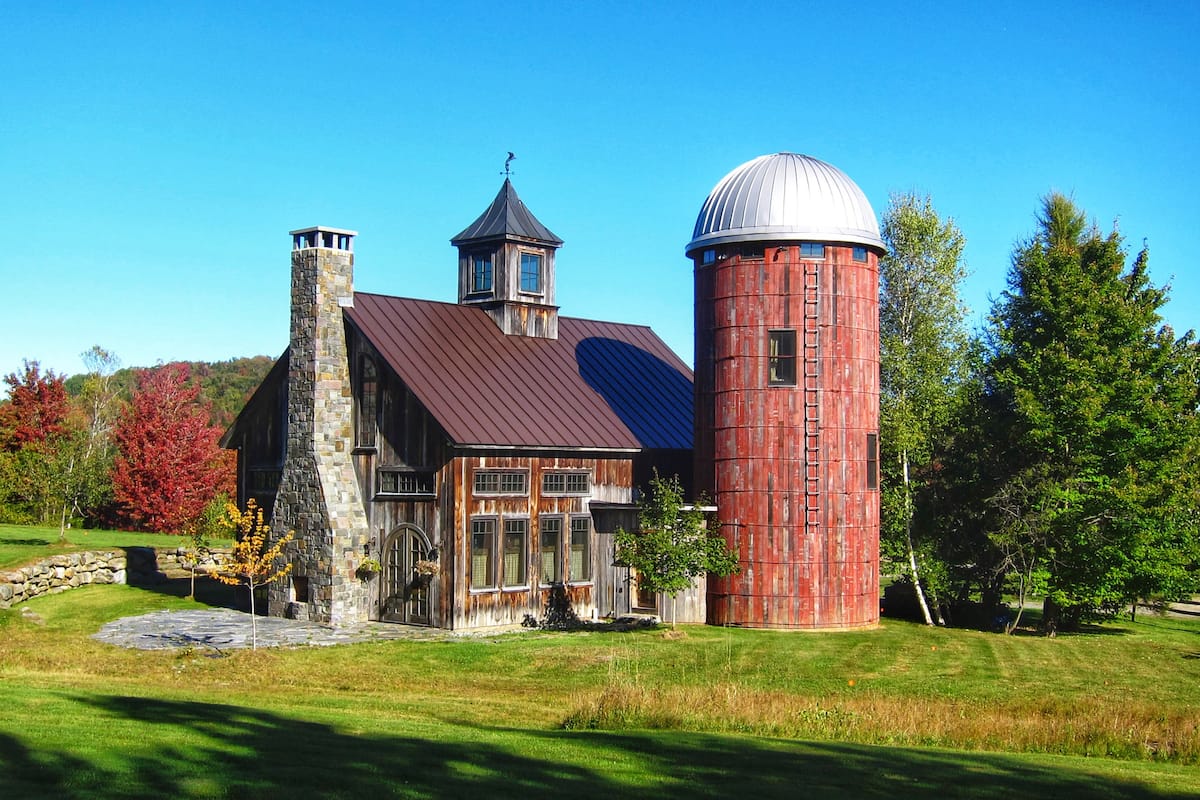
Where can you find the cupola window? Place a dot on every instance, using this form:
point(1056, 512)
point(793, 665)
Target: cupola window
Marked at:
point(531, 272)
point(860, 254)
point(481, 272)
point(812, 250)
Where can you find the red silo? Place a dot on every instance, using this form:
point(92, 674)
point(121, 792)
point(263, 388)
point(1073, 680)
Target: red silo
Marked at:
point(786, 252)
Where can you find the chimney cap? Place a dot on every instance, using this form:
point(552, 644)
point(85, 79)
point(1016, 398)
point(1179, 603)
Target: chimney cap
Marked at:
point(323, 229)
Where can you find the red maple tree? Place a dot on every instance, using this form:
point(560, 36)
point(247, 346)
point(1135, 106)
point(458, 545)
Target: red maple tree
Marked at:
point(169, 465)
point(36, 409)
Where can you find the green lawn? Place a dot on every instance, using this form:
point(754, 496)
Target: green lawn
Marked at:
point(21, 544)
point(893, 712)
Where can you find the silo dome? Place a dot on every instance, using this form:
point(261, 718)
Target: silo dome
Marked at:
point(786, 197)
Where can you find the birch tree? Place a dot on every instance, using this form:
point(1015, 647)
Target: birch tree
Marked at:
point(923, 355)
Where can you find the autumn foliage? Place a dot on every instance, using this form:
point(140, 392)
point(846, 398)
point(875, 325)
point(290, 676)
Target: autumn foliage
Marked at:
point(169, 465)
point(36, 409)
point(255, 559)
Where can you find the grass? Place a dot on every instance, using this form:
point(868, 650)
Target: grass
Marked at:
point(898, 711)
point(21, 544)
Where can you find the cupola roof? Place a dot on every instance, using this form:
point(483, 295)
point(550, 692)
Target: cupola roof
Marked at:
point(506, 217)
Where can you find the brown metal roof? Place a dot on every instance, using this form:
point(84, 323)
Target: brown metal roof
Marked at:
point(599, 385)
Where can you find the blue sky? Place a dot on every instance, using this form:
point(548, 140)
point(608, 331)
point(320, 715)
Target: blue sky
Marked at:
point(155, 155)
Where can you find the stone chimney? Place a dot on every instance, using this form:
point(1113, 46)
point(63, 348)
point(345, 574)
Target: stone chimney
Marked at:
point(319, 498)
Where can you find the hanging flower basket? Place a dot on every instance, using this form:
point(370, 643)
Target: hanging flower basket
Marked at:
point(369, 568)
point(426, 569)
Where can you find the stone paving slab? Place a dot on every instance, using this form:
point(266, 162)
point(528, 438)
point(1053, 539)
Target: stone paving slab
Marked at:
point(225, 629)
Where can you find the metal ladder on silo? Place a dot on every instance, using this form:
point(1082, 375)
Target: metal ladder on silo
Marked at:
point(811, 365)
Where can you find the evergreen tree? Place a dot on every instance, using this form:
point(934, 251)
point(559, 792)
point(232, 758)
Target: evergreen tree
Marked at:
point(1095, 407)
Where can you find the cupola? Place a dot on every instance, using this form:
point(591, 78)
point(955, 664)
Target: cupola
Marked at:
point(506, 267)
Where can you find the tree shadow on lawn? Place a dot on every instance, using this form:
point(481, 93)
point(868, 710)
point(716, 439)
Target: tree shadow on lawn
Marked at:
point(193, 750)
point(209, 591)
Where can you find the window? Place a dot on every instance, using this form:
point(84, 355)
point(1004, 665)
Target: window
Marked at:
point(872, 460)
point(580, 566)
point(550, 554)
point(709, 256)
point(531, 272)
point(812, 250)
point(405, 481)
point(481, 272)
point(565, 483)
point(368, 402)
point(483, 548)
point(781, 358)
point(516, 535)
point(501, 482)
point(860, 254)
point(753, 251)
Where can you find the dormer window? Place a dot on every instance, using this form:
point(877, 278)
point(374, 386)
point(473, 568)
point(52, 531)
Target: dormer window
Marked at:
point(481, 272)
point(531, 272)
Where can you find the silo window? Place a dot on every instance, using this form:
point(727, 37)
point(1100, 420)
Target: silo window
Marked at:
point(781, 358)
point(710, 256)
point(860, 254)
point(872, 460)
point(812, 250)
point(753, 251)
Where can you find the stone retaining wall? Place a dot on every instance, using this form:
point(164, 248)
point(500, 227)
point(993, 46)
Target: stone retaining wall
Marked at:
point(137, 566)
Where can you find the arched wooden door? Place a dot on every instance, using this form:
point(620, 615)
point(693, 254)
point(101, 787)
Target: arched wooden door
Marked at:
point(404, 595)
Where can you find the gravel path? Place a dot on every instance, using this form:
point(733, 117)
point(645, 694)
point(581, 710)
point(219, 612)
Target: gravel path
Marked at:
point(226, 629)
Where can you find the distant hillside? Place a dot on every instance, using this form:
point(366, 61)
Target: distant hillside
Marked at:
point(225, 384)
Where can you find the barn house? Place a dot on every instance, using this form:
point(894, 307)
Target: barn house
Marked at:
point(484, 452)
point(481, 452)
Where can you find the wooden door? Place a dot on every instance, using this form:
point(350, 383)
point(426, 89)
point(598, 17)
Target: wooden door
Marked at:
point(404, 595)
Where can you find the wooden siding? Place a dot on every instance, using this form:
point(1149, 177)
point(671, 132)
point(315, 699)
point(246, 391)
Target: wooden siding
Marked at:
point(611, 478)
point(259, 436)
point(786, 465)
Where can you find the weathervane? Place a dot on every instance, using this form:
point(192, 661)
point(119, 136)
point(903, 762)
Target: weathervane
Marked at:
point(507, 161)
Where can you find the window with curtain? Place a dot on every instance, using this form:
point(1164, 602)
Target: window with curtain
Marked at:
point(781, 358)
point(580, 566)
point(550, 557)
point(516, 534)
point(483, 549)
